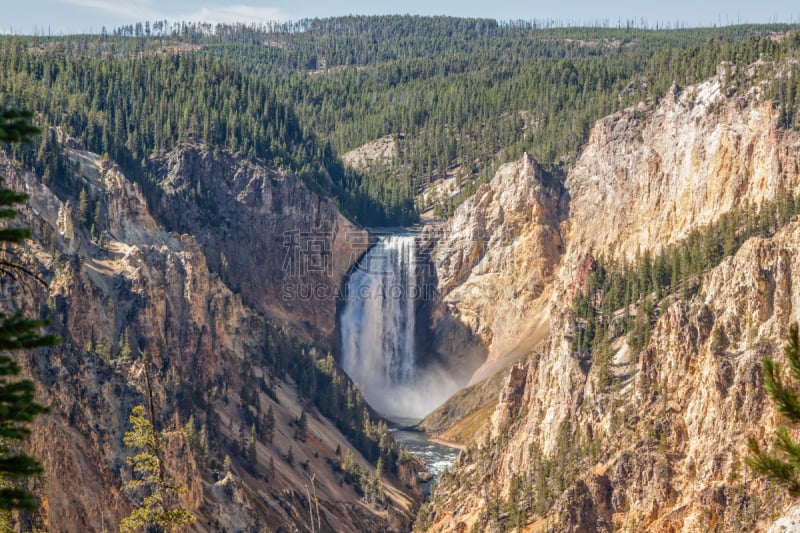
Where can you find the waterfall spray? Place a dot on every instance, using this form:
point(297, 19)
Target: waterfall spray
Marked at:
point(377, 327)
point(377, 323)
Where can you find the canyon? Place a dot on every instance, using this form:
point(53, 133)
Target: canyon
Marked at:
point(138, 295)
point(663, 449)
point(224, 279)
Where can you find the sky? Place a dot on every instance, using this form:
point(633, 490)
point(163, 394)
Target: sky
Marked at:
point(79, 16)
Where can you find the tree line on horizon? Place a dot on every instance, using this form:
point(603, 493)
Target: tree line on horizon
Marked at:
point(459, 96)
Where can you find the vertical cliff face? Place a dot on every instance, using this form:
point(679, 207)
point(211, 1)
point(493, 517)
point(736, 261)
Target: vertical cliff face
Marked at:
point(651, 174)
point(662, 450)
point(494, 260)
point(282, 247)
point(136, 291)
point(494, 263)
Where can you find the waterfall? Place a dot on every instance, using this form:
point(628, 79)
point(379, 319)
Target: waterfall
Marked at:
point(377, 327)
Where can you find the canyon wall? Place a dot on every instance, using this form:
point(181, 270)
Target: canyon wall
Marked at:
point(663, 449)
point(282, 247)
point(494, 261)
point(199, 308)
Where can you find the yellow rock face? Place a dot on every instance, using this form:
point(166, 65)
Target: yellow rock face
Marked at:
point(673, 431)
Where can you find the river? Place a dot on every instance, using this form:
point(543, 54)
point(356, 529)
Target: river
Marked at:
point(437, 456)
point(377, 329)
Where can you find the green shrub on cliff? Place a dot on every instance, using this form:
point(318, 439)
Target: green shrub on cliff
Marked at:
point(783, 465)
point(17, 332)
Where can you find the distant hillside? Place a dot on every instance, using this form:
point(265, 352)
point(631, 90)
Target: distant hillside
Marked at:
point(458, 95)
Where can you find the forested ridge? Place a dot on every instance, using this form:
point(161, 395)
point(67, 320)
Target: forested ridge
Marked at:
point(625, 299)
point(460, 96)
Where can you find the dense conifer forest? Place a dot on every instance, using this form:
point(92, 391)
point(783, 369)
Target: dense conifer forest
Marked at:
point(625, 299)
point(459, 96)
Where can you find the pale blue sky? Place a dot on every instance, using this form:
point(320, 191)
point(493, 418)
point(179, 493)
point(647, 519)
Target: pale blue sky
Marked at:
point(60, 16)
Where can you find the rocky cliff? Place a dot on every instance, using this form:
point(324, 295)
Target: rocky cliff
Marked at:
point(144, 290)
point(494, 260)
point(663, 449)
point(282, 247)
point(651, 174)
point(494, 263)
point(219, 281)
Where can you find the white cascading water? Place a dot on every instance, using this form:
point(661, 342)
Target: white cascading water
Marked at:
point(377, 329)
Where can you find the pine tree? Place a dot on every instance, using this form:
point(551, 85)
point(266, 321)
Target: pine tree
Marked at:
point(16, 126)
point(269, 425)
point(83, 207)
point(17, 411)
point(251, 447)
point(302, 426)
point(158, 508)
point(125, 346)
point(783, 466)
point(97, 219)
point(17, 405)
point(348, 464)
point(290, 455)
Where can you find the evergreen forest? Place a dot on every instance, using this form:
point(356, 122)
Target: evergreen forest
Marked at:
point(458, 96)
